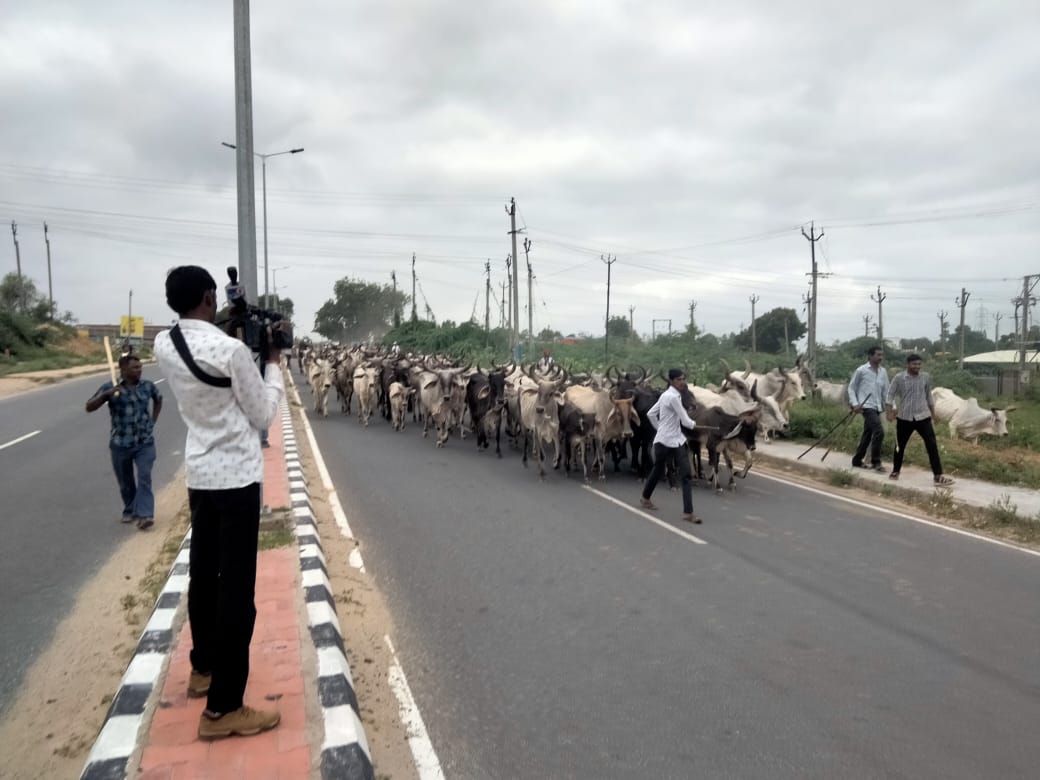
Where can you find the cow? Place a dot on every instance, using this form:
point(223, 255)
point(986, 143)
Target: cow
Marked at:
point(399, 395)
point(485, 398)
point(786, 386)
point(343, 379)
point(319, 376)
point(390, 371)
point(576, 437)
point(366, 382)
point(540, 401)
point(833, 392)
point(436, 393)
point(733, 401)
point(966, 418)
point(614, 419)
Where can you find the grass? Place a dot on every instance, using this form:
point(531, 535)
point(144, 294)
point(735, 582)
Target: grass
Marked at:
point(46, 362)
point(275, 538)
point(840, 478)
point(1011, 460)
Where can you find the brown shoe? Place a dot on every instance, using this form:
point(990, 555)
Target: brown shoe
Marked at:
point(243, 722)
point(690, 517)
point(198, 684)
point(646, 503)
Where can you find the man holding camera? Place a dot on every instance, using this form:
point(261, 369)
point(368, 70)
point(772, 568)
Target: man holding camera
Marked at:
point(225, 402)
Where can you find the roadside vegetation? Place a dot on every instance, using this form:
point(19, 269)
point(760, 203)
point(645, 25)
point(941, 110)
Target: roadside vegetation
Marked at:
point(32, 335)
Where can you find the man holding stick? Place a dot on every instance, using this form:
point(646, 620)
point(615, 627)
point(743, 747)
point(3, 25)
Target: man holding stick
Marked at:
point(131, 443)
point(868, 390)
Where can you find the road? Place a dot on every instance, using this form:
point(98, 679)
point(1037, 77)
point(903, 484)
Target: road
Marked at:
point(549, 632)
point(60, 508)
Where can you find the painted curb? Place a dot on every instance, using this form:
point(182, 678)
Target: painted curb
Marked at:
point(118, 737)
point(344, 752)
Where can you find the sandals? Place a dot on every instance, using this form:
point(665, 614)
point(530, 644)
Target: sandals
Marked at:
point(894, 475)
point(942, 480)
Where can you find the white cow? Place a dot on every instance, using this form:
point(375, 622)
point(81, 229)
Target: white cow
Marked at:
point(366, 380)
point(966, 418)
point(834, 392)
point(734, 401)
point(319, 374)
point(399, 395)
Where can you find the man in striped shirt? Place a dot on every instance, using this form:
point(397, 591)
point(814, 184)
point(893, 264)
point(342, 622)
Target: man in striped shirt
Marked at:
point(909, 403)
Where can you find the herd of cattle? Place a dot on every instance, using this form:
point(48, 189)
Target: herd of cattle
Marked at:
point(581, 418)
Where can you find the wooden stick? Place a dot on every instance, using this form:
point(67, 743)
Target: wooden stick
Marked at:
point(111, 366)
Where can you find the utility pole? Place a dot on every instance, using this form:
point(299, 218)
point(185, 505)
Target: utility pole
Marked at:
point(632, 319)
point(414, 315)
point(996, 329)
point(880, 332)
point(509, 299)
point(962, 304)
point(130, 316)
point(1026, 301)
point(606, 330)
point(787, 341)
point(515, 287)
point(693, 322)
point(18, 263)
point(866, 324)
point(754, 339)
point(942, 331)
point(502, 307)
point(812, 238)
point(487, 297)
point(246, 186)
point(530, 305)
point(50, 280)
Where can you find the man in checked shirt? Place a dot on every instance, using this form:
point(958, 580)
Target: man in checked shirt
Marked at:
point(909, 403)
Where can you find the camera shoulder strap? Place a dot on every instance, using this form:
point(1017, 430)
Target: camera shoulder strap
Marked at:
point(182, 349)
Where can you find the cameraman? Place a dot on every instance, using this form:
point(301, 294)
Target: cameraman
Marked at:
point(225, 402)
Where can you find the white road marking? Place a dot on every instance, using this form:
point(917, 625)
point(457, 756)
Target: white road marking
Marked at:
point(158, 381)
point(903, 515)
point(688, 537)
point(426, 761)
point(19, 439)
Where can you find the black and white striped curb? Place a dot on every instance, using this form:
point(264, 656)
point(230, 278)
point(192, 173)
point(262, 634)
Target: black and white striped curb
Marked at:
point(118, 737)
point(344, 752)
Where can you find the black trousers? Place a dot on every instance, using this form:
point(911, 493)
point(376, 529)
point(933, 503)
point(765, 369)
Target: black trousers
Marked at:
point(681, 458)
point(904, 429)
point(225, 525)
point(873, 436)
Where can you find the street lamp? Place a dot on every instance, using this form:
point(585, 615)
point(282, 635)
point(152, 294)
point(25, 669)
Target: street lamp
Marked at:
point(263, 161)
point(274, 279)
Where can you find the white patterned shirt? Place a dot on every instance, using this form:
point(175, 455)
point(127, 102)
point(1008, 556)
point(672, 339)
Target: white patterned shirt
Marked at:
point(911, 396)
point(667, 415)
point(223, 446)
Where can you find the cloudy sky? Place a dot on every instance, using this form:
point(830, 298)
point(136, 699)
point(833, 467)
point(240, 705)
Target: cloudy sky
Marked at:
point(691, 140)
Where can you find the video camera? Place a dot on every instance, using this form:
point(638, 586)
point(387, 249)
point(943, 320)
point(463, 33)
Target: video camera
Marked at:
point(250, 323)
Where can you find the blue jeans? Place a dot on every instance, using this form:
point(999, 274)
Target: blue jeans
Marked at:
point(138, 499)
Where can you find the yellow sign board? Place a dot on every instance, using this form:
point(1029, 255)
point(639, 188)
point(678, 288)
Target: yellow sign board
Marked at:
point(131, 326)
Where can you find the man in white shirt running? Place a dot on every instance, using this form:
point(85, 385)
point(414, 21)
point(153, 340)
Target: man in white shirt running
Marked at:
point(224, 402)
point(668, 417)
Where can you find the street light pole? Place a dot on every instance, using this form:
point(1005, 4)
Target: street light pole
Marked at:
point(263, 174)
point(274, 277)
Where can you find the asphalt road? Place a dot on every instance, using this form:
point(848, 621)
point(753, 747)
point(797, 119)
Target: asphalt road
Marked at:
point(548, 632)
point(60, 508)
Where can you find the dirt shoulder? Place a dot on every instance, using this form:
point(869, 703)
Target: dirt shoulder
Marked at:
point(13, 384)
point(51, 725)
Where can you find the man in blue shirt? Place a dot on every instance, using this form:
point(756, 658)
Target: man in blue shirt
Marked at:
point(868, 390)
point(131, 442)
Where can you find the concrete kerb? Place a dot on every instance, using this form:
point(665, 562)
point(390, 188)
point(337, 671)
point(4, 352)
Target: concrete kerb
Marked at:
point(119, 734)
point(344, 751)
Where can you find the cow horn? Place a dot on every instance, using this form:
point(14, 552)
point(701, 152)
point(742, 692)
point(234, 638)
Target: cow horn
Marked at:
point(754, 391)
point(642, 374)
point(747, 368)
point(529, 371)
point(563, 379)
point(735, 432)
point(725, 365)
point(1009, 409)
